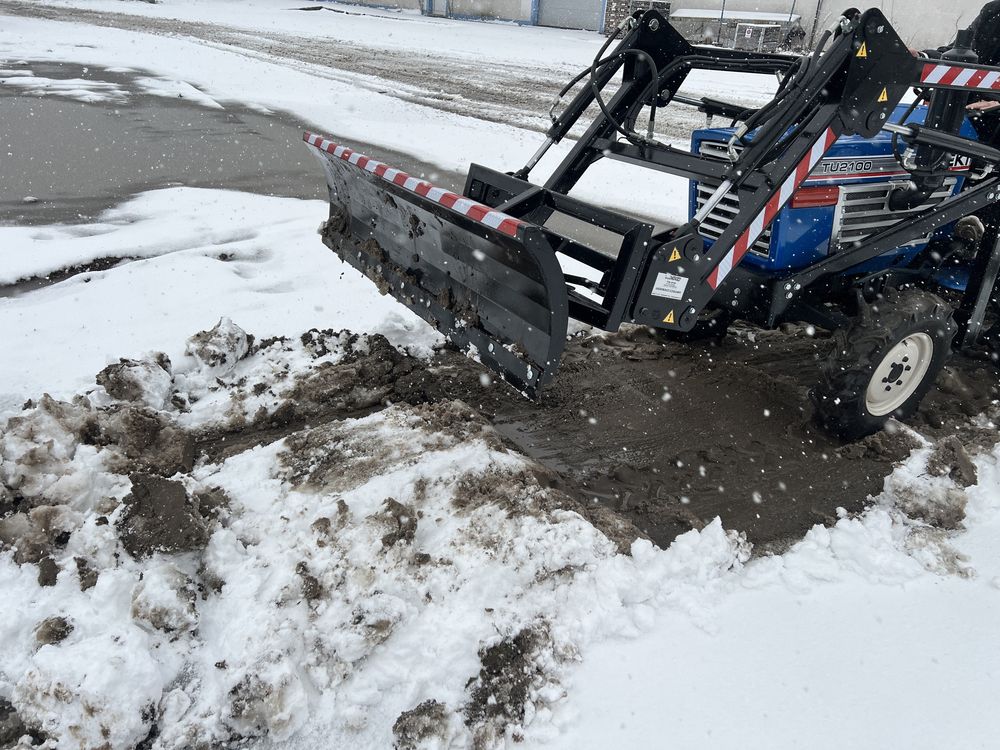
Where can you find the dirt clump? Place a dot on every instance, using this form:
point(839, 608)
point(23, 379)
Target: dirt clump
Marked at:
point(421, 724)
point(400, 520)
point(11, 726)
point(499, 694)
point(85, 573)
point(164, 600)
point(145, 381)
point(48, 571)
point(894, 444)
point(938, 505)
point(149, 441)
point(312, 589)
point(221, 347)
point(371, 373)
point(37, 533)
point(212, 503)
point(7, 502)
point(53, 630)
point(159, 516)
point(951, 459)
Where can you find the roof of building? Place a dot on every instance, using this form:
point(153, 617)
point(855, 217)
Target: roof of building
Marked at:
point(735, 15)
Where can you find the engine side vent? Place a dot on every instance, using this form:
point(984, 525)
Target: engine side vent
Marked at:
point(862, 210)
point(723, 214)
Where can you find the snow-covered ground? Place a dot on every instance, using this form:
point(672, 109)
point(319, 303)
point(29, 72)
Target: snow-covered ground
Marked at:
point(399, 577)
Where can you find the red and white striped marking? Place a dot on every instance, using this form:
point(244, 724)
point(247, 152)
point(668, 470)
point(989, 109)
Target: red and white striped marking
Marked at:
point(465, 206)
point(767, 214)
point(955, 75)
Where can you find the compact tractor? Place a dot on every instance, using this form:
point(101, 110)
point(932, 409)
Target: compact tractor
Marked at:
point(835, 204)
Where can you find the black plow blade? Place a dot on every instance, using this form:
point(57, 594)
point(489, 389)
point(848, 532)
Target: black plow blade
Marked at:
point(489, 282)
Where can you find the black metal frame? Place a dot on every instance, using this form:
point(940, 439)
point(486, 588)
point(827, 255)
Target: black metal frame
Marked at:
point(851, 88)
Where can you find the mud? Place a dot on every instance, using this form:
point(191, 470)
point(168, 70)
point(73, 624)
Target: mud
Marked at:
point(951, 459)
point(53, 630)
point(36, 534)
point(420, 726)
point(147, 440)
point(370, 374)
point(159, 516)
point(643, 436)
point(400, 520)
point(11, 726)
point(499, 694)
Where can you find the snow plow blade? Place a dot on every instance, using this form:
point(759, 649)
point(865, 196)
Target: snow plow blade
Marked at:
point(489, 282)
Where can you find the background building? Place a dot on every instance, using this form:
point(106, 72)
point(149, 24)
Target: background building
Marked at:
point(921, 23)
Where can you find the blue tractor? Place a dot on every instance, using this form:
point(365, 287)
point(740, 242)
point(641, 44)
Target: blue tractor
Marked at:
point(834, 204)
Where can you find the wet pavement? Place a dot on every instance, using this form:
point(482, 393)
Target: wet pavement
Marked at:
point(73, 159)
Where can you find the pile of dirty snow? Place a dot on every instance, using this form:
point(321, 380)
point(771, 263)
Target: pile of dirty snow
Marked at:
point(296, 540)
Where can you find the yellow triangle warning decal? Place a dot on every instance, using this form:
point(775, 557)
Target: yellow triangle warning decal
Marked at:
point(863, 51)
point(675, 255)
point(884, 96)
point(669, 318)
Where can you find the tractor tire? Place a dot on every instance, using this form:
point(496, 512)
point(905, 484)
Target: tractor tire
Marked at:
point(883, 363)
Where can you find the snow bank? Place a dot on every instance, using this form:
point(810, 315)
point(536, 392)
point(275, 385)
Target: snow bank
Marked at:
point(195, 256)
point(404, 578)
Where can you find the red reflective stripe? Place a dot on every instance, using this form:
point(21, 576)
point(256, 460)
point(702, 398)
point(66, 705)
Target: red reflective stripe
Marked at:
point(713, 278)
point(976, 79)
point(928, 69)
point(477, 212)
point(509, 226)
point(950, 76)
point(742, 245)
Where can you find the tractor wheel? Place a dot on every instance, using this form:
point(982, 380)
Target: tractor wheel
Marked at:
point(883, 363)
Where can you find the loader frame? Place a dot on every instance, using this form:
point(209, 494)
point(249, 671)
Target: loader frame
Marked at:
point(483, 268)
point(667, 279)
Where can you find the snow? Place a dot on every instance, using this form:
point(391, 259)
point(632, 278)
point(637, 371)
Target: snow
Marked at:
point(201, 255)
point(79, 89)
point(356, 108)
point(324, 611)
point(846, 640)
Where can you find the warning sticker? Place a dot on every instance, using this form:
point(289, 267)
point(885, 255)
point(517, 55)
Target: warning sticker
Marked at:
point(669, 285)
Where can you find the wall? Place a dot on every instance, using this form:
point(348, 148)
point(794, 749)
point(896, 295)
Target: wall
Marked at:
point(404, 4)
point(510, 10)
point(921, 23)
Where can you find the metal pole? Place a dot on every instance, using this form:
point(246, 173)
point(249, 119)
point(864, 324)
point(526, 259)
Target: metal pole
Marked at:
point(812, 34)
point(791, 12)
point(722, 20)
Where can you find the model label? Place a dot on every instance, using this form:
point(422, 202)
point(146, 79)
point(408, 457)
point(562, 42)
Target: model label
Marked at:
point(669, 285)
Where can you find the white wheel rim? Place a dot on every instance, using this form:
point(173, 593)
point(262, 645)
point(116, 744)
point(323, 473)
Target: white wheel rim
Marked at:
point(899, 374)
